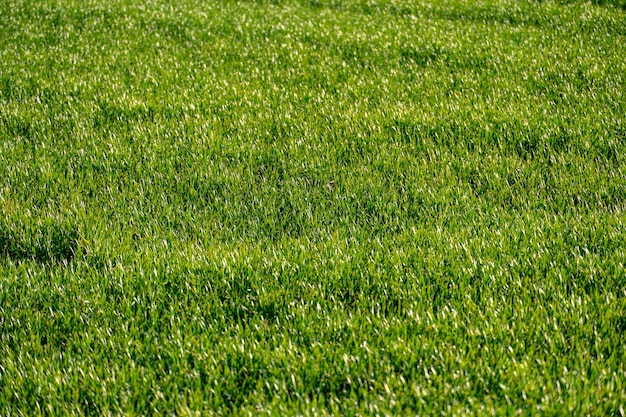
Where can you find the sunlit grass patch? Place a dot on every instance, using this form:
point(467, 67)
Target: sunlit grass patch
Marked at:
point(312, 207)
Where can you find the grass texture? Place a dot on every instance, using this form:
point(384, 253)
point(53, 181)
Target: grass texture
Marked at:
point(323, 207)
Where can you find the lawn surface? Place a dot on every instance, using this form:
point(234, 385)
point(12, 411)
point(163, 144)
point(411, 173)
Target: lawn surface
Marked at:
point(312, 207)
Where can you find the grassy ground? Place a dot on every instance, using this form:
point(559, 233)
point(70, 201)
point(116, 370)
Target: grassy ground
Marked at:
point(312, 207)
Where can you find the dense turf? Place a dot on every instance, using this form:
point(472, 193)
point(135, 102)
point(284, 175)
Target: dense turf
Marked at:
point(315, 207)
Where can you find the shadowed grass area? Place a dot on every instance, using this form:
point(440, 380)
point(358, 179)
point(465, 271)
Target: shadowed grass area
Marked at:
point(47, 241)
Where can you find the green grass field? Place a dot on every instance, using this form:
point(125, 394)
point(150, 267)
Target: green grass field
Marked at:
point(314, 207)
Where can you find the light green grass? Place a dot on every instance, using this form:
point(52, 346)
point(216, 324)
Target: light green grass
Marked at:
point(312, 207)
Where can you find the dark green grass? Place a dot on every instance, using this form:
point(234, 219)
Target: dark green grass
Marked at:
point(312, 207)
